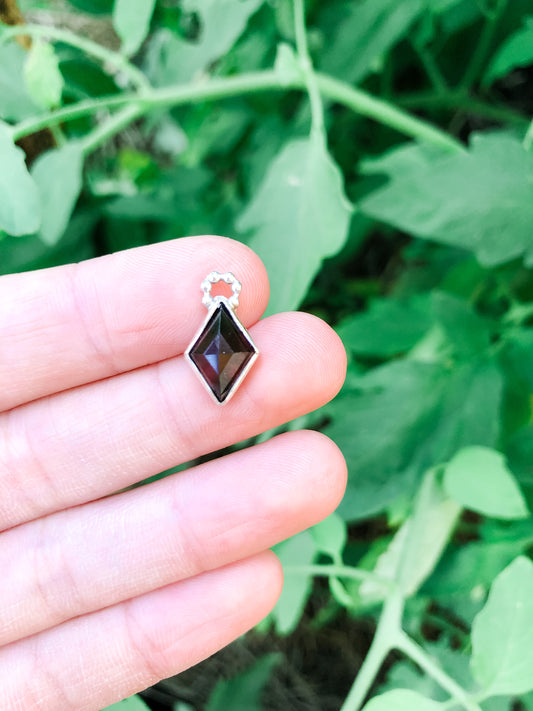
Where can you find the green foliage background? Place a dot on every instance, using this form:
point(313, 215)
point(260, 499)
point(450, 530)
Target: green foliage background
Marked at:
point(378, 155)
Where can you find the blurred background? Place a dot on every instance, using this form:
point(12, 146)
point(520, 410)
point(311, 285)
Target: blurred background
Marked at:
point(404, 219)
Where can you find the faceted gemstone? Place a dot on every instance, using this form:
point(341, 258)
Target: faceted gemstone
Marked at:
point(221, 352)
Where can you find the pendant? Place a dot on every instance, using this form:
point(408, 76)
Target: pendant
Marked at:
point(222, 352)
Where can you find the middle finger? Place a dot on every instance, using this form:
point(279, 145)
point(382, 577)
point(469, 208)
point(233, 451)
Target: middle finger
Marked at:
point(82, 444)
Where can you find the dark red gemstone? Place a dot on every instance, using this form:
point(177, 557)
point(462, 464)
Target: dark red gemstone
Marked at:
point(221, 352)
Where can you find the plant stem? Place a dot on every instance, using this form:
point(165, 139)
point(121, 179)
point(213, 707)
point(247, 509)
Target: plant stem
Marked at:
point(462, 101)
point(317, 108)
point(387, 630)
point(338, 571)
point(431, 68)
point(110, 128)
point(479, 57)
point(408, 646)
point(386, 113)
point(254, 82)
point(211, 90)
point(115, 59)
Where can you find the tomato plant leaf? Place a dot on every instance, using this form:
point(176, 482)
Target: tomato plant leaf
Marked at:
point(388, 447)
point(134, 703)
point(15, 102)
point(474, 565)
point(298, 217)
point(20, 207)
point(479, 479)
point(516, 51)
point(298, 550)
point(43, 78)
point(131, 20)
point(467, 333)
point(401, 700)
point(58, 175)
point(243, 692)
point(502, 633)
point(388, 328)
point(479, 200)
point(417, 546)
point(330, 535)
point(428, 530)
point(366, 32)
point(95, 7)
point(172, 59)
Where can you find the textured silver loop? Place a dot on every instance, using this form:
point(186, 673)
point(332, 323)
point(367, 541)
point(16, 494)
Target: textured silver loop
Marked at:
point(214, 278)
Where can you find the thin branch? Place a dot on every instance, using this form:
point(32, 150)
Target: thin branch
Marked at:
point(461, 101)
point(431, 68)
point(317, 108)
point(387, 630)
point(479, 56)
point(408, 646)
point(339, 571)
point(254, 82)
point(105, 55)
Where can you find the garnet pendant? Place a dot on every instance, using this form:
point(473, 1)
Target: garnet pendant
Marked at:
point(222, 352)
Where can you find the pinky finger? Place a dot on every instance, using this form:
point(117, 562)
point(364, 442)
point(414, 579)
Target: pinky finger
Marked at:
point(93, 661)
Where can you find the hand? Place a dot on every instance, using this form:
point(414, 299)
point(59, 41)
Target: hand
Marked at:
point(102, 596)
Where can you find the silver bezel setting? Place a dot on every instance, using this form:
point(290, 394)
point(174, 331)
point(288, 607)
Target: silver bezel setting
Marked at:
point(214, 304)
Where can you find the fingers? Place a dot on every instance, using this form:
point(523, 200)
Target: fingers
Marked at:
point(84, 559)
point(95, 660)
point(86, 443)
point(75, 324)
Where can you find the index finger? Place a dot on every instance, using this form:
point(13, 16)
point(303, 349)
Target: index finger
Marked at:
point(71, 325)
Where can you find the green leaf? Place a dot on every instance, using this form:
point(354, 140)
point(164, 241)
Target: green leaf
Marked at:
point(298, 550)
point(287, 65)
point(428, 531)
point(519, 451)
point(43, 79)
point(404, 675)
point(417, 546)
point(58, 175)
point(173, 60)
point(502, 633)
point(84, 78)
point(298, 217)
point(131, 20)
point(243, 692)
point(465, 330)
point(20, 208)
point(516, 51)
point(475, 565)
point(402, 700)
point(389, 446)
point(77, 244)
point(388, 328)
point(15, 102)
point(479, 200)
point(134, 703)
point(366, 31)
point(378, 435)
point(528, 701)
point(95, 7)
point(330, 535)
point(479, 479)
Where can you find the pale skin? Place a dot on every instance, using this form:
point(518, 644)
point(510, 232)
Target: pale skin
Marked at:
point(102, 595)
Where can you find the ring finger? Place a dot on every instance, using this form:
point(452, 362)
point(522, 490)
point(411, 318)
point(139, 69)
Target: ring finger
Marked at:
point(94, 556)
